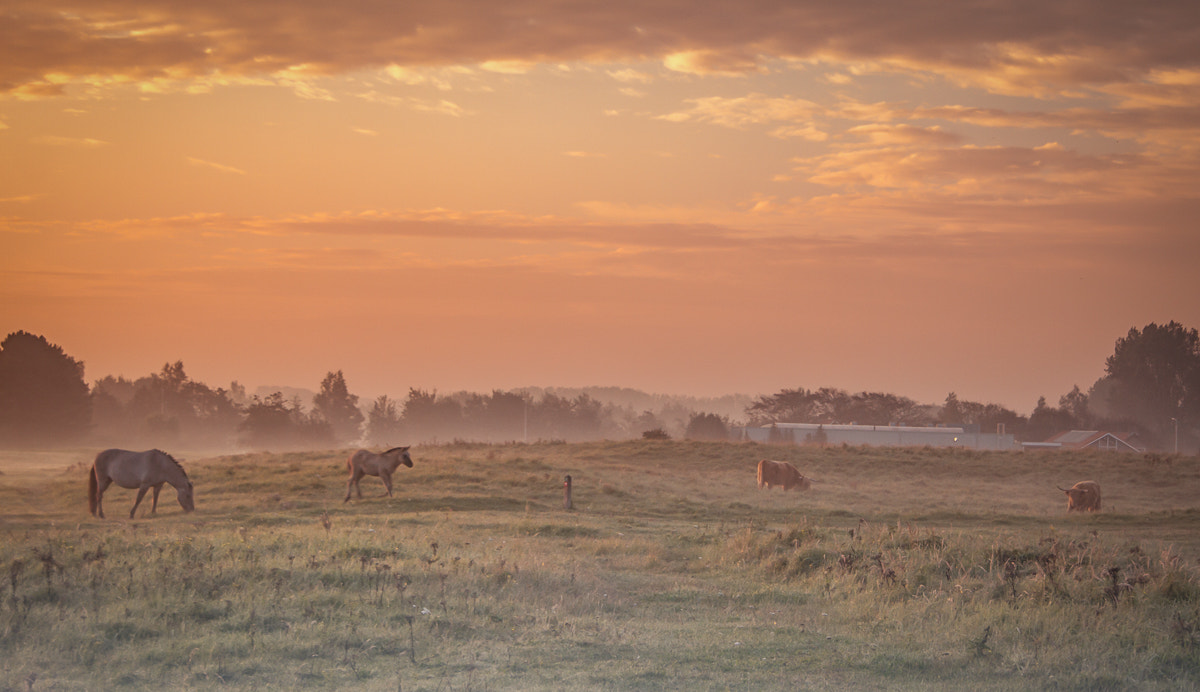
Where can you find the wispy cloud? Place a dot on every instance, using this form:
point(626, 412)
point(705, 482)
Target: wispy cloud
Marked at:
point(215, 166)
point(85, 142)
point(745, 111)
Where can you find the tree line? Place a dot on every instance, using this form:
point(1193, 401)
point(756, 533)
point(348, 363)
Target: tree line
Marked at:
point(1151, 385)
point(44, 401)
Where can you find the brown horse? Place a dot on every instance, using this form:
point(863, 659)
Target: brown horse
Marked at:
point(141, 470)
point(364, 463)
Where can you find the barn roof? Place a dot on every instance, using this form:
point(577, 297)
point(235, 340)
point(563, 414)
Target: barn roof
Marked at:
point(1096, 439)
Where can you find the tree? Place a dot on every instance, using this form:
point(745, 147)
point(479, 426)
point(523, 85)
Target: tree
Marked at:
point(268, 421)
point(952, 413)
point(559, 418)
point(497, 417)
point(1047, 420)
point(164, 408)
point(383, 422)
point(1153, 376)
point(275, 422)
point(338, 407)
point(707, 426)
point(428, 417)
point(830, 405)
point(43, 397)
point(1075, 403)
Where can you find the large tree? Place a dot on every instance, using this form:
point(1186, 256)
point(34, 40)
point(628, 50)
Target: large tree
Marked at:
point(1153, 379)
point(338, 407)
point(830, 405)
point(164, 408)
point(43, 397)
point(383, 422)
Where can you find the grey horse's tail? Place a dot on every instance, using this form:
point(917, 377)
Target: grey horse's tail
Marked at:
point(92, 490)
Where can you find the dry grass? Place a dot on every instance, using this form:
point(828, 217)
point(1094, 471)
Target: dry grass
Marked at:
point(901, 569)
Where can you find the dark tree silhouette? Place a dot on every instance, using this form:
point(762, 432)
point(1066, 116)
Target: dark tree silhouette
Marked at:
point(428, 417)
point(383, 422)
point(829, 405)
point(275, 422)
point(43, 397)
point(707, 426)
point(1153, 377)
point(165, 408)
point(559, 418)
point(338, 407)
point(1046, 421)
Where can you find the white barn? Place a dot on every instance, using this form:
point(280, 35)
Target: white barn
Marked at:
point(880, 436)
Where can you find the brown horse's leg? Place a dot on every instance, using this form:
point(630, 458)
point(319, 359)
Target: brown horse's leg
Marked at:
point(386, 477)
point(355, 476)
point(141, 493)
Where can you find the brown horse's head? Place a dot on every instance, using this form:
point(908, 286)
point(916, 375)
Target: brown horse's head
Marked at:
point(403, 455)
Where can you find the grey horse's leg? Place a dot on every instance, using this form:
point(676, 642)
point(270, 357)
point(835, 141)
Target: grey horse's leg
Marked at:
point(154, 499)
point(101, 486)
point(386, 477)
point(141, 493)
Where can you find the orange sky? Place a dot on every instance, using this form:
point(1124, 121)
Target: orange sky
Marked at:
point(683, 198)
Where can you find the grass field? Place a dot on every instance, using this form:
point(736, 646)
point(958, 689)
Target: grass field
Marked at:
point(902, 569)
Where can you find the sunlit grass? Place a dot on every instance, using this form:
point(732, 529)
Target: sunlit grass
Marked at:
point(901, 569)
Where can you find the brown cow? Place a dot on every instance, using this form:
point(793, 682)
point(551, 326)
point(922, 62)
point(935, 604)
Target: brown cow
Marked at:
point(781, 473)
point(1084, 496)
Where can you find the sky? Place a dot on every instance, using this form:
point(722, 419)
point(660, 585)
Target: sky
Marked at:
point(699, 198)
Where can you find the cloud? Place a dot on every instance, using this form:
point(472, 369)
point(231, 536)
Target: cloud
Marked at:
point(84, 142)
point(215, 166)
point(902, 134)
point(745, 111)
point(441, 106)
point(1041, 49)
point(1000, 172)
point(630, 76)
point(729, 62)
point(508, 66)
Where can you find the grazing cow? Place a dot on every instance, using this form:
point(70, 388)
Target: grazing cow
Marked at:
point(781, 473)
point(1084, 496)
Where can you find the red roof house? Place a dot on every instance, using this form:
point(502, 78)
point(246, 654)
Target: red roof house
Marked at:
point(1094, 439)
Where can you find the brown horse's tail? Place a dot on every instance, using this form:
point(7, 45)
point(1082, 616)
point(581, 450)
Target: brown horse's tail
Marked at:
point(92, 490)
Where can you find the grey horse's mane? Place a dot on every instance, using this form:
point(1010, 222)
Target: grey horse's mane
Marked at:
point(173, 461)
point(393, 449)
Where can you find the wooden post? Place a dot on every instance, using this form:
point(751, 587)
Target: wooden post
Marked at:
point(567, 492)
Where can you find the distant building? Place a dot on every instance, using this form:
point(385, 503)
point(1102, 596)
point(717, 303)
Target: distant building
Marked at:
point(1089, 439)
point(880, 436)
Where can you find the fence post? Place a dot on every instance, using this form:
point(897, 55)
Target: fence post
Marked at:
point(567, 492)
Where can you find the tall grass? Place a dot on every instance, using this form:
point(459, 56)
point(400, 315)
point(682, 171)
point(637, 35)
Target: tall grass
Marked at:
point(902, 569)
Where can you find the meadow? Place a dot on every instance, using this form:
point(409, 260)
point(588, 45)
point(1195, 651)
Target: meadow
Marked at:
point(902, 569)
